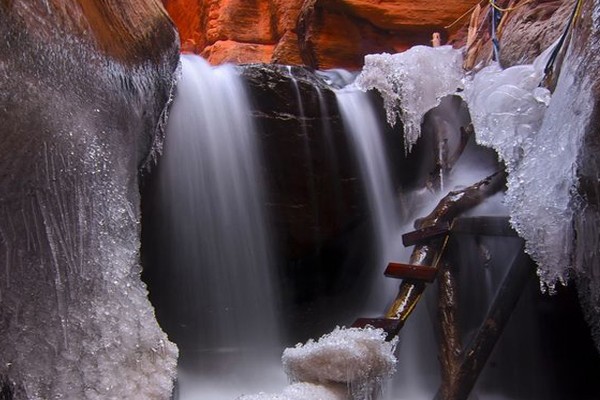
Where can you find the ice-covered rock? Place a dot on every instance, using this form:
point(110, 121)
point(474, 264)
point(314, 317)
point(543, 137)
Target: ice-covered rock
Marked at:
point(346, 364)
point(537, 136)
point(360, 358)
point(77, 123)
point(507, 107)
point(413, 82)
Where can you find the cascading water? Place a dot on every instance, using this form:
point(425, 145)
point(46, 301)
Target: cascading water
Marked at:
point(363, 127)
point(362, 124)
point(215, 234)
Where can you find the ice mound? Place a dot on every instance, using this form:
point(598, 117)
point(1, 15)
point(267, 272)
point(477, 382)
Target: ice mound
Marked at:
point(304, 391)
point(413, 82)
point(360, 358)
point(539, 139)
point(507, 108)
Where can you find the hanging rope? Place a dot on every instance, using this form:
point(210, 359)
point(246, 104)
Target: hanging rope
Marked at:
point(496, 16)
point(507, 9)
point(469, 11)
point(552, 60)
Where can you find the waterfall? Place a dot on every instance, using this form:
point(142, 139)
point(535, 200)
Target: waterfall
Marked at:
point(417, 362)
point(218, 258)
point(220, 293)
point(362, 125)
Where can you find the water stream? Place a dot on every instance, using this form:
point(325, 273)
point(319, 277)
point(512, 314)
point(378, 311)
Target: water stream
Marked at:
point(216, 238)
point(416, 369)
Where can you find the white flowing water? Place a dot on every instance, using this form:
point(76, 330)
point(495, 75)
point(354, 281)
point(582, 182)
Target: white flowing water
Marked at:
point(363, 126)
point(364, 129)
point(211, 188)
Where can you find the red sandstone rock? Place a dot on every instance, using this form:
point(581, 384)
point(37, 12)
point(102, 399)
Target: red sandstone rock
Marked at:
point(229, 51)
point(339, 32)
point(130, 32)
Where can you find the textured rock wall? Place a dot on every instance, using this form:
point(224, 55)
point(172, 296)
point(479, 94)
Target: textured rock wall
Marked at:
point(584, 61)
point(338, 33)
point(318, 33)
point(83, 88)
point(527, 29)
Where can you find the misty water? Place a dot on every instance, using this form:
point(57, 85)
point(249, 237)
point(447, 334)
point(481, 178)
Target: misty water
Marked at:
point(215, 237)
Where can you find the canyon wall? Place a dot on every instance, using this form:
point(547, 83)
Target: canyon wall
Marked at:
point(317, 33)
point(84, 86)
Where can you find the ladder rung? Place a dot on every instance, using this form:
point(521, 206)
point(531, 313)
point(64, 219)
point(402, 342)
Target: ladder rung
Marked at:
point(408, 271)
point(425, 234)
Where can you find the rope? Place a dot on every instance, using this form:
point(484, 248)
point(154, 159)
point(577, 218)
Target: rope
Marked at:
point(470, 10)
point(495, 16)
point(561, 41)
point(507, 9)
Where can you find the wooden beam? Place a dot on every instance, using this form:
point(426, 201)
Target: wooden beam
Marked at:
point(475, 356)
point(450, 343)
point(449, 208)
point(428, 253)
point(391, 326)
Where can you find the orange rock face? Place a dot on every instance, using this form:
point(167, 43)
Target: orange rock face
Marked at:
point(317, 33)
point(131, 32)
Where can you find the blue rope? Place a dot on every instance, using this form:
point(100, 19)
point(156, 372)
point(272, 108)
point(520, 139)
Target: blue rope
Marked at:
point(561, 41)
point(495, 16)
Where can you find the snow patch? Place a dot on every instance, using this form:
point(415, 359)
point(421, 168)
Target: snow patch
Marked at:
point(361, 358)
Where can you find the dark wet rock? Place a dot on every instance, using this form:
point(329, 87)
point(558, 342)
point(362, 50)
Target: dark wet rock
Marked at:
point(313, 181)
point(584, 60)
point(315, 194)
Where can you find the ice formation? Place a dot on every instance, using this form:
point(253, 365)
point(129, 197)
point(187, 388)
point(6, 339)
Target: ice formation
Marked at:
point(360, 358)
point(413, 82)
point(509, 112)
point(507, 108)
point(538, 140)
point(346, 364)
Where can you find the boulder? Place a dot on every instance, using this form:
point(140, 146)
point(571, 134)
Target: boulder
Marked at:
point(313, 184)
point(315, 195)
